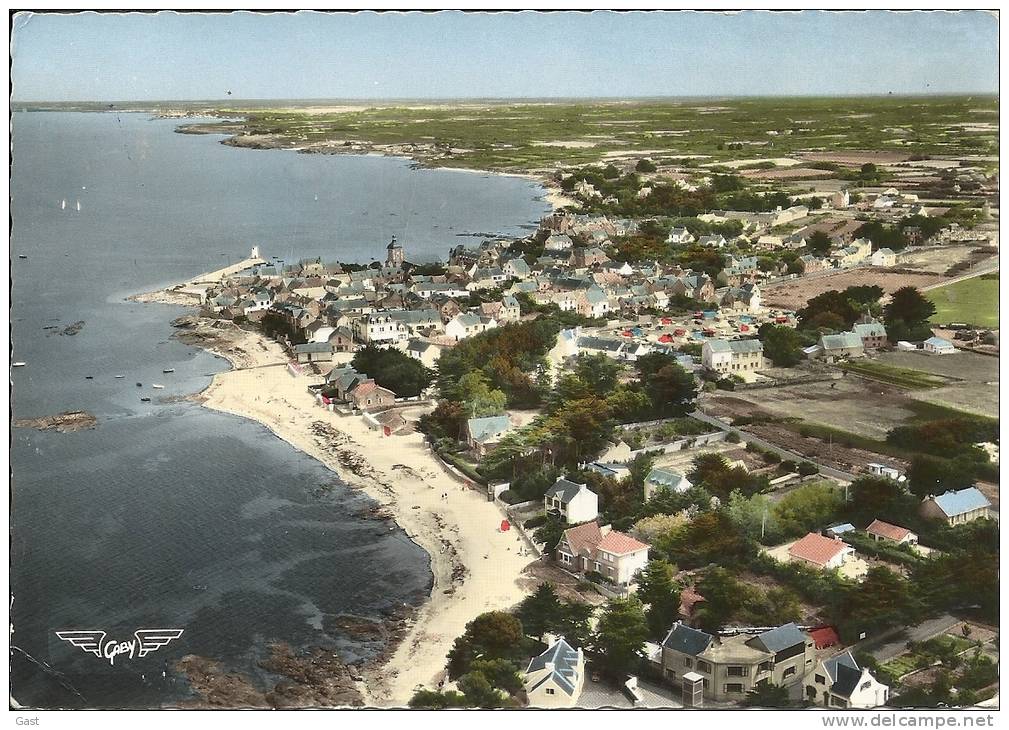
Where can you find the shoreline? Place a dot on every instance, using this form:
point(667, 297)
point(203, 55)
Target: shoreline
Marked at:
point(474, 567)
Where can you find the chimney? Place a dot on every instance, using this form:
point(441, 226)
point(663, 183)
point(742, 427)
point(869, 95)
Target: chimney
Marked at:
point(550, 667)
point(605, 530)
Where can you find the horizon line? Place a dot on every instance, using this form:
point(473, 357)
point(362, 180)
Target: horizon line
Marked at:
point(446, 99)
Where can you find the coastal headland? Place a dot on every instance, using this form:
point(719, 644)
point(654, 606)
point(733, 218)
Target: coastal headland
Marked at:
point(475, 566)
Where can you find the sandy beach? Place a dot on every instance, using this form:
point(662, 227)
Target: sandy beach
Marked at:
point(476, 567)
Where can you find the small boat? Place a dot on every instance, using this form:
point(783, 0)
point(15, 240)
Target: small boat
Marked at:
point(22, 256)
point(168, 370)
point(18, 364)
point(159, 387)
point(63, 205)
point(145, 400)
point(89, 377)
point(78, 206)
point(140, 385)
point(119, 377)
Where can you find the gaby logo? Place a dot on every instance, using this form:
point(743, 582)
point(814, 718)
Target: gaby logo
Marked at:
point(144, 642)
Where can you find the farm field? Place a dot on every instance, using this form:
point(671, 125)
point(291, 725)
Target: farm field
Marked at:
point(527, 136)
point(973, 301)
point(794, 294)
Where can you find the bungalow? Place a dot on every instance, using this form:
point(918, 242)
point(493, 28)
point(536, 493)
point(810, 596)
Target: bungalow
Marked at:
point(555, 677)
point(314, 352)
point(516, 268)
point(938, 346)
point(838, 530)
point(590, 548)
point(369, 396)
point(717, 241)
point(882, 470)
point(558, 242)
point(483, 434)
point(576, 503)
point(660, 478)
point(957, 507)
point(424, 350)
point(823, 552)
point(609, 469)
point(812, 263)
point(880, 530)
point(839, 682)
point(872, 334)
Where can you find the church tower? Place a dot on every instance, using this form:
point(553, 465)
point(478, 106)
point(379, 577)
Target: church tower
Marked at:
point(394, 255)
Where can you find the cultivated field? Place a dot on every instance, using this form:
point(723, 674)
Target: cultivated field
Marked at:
point(974, 387)
point(794, 294)
point(936, 260)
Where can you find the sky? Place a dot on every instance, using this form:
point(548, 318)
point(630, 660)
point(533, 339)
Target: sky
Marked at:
point(365, 55)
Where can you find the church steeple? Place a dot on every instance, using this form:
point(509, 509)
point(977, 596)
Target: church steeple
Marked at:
point(394, 253)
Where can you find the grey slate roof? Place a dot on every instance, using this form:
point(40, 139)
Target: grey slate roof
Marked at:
point(564, 490)
point(565, 660)
point(844, 673)
point(781, 638)
point(687, 640)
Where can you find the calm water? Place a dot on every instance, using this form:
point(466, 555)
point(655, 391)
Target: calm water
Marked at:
point(169, 515)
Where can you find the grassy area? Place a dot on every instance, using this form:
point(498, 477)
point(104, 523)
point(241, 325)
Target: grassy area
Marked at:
point(521, 136)
point(903, 377)
point(926, 653)
point(974, 301)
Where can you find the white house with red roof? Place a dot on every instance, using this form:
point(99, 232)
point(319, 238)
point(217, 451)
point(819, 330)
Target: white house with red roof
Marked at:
point(823, 552)
point(590, 548)
point(880, 530)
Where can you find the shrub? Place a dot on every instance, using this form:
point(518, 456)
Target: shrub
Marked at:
point(535, 521)
point(808, 468)
point(770, 457)
point(733, 437)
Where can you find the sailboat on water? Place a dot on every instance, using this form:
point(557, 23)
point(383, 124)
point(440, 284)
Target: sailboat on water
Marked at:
point(78, 206)
point(63, 205)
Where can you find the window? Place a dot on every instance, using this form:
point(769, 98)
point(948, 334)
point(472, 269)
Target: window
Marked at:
point(688, 663)
point(733, 688)
point(820, 679)
point(866, 685)
point(789, 672)
point(704, 667)
point(765, 666)
point(550, 690)
point(736, 671)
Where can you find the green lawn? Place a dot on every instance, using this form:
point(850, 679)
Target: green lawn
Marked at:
point(974, 301)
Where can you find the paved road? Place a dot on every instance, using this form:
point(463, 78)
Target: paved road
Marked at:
point(784, 453)
point(896, 644)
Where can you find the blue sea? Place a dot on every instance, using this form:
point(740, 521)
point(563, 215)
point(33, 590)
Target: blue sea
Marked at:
point(167, 515)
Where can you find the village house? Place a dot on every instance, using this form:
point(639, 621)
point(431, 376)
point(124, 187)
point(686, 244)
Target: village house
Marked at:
point(733, 665)
point(379, 327)
point(745, 298)
point(812, 264)
point(716, 241)
point(662, 478)
point(593, 302)
point(679, 235)
point(879, 530)
point(882, 470)
point(310, 352)
point(957, 507)
point(872, 334)
point(484, 434)
point(838, 682)
point(821, 552)
point(558, 242)
point(517, 268)
point(582, 258)
point(424, 350)
point(845, 344)
point(883, 257)
point(938, 346)
point(466, 325)
point(575, 503)
point(590, 548)
point(369, 396)
point(732, 356)
point(555, 677)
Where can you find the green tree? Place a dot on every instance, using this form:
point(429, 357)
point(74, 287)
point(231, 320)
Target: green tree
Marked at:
point(909, 307)
point(620, 635)
point(721, 593)
point(782, 345)
point(481, 400)
point(645, 165)
point(550, 533)
point(478, 691)
point(672, 390)
point(492, 635)
point(808, 507)
point(539, 610)
point(392, 369)
point(427, 699)
point(659, 590)
point(500, 673)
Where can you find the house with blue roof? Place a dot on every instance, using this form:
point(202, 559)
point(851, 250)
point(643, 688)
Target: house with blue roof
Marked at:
point(661, 478)
point(839, 683)
point(957, 507)
point(483, 434)
point(555, 677)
